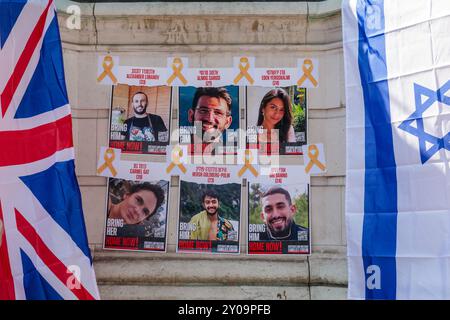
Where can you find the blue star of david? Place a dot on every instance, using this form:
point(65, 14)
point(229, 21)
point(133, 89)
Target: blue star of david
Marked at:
point(436, 142)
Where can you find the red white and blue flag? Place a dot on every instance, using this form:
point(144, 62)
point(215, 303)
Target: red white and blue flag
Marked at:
point(44, 251)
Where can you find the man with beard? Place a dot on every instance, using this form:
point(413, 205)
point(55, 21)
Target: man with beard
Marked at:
point(212, 108)
point(278, 215)
point(143, 126)
point(208, 225)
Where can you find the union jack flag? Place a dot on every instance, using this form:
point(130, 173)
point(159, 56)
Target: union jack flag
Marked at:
point(44, 251)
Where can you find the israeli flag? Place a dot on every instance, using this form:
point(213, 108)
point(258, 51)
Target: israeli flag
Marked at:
point(397, 73)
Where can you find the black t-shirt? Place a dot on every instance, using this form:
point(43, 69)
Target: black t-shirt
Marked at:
point(298, 233)
point(145, 129)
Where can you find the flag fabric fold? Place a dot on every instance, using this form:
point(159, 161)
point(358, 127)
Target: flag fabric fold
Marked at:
point(44, 251)
point(397, 74)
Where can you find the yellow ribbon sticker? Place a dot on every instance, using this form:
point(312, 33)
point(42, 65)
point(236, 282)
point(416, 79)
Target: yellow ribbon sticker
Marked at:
point(177, 66)
point(108, 64)
point(176, 155)
point(244, 66)
point(109, 157)
point(313, 154)
point(248, 158)
point(307, 68)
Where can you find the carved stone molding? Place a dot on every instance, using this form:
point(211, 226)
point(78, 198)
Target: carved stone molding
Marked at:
point(281, 23)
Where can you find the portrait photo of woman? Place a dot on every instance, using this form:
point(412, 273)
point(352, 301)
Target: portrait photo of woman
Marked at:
point(138, 204)
point(275, 112)
point(136, 215)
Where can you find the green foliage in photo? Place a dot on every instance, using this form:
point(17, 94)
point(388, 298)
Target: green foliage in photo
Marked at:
point(191, 199)
point(300, 201)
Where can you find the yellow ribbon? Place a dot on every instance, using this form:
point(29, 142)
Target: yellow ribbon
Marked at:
point(248, 158)
point(109, 157)
point(176, 155)
point(307, 68)
point(314, 158)
point(244, 65)
point(108, 64)
point(177, 66)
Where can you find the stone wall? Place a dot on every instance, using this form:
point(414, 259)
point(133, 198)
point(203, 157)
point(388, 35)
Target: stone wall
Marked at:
point(210, 34)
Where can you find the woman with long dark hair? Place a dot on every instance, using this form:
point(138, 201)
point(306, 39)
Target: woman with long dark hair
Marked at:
point(275, 112)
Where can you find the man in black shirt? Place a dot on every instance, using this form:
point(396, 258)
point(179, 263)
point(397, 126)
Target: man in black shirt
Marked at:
point(278, 213)
point(143, 126)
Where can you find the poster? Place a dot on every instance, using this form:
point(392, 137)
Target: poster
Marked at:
point(210, 210)
point(136, 217)
point(278, 212)
point(276, 119)
point(209, 119)
point(140, 119)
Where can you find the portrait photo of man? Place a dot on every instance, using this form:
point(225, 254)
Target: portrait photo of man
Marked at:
point(209, 225)
point(140, 118)
point(211, 107)
point(210, 110)
point(209, 217)
point(143, 126)
point(277, 213)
